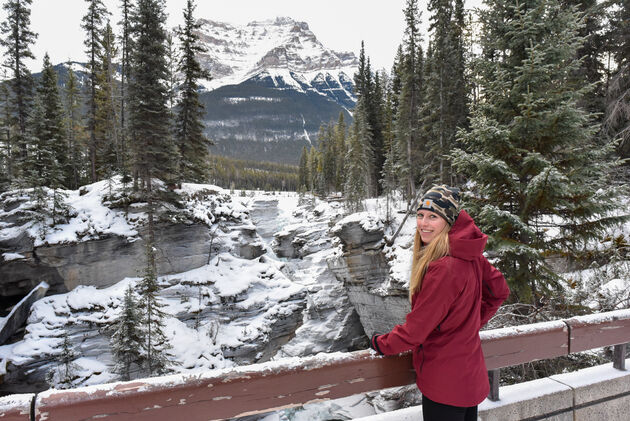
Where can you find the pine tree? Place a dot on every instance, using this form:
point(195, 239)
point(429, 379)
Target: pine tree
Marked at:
point(126, 44)
point(154, 152)
point(17, 40)
point(92, 23)
point(340, 151)
point(617, 120)
point(407, 118)
point(108, 149)
point(128, 339)
point(303, 176)
point(358, 160)
point(539, 185)
point(155, 343)
point(63, 375)
point(74, 130)
point(193, 143)
point(445, 107)
point(6, 137)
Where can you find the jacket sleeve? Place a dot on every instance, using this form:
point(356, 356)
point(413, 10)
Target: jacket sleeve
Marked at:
point(494, 290)
point(430, 307)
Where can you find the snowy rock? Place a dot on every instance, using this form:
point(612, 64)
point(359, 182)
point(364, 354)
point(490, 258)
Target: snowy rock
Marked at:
point(362, 265)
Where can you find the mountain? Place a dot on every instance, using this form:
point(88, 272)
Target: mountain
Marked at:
point(273, 85)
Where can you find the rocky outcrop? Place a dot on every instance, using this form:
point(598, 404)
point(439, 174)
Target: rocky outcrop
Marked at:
point(380, 300)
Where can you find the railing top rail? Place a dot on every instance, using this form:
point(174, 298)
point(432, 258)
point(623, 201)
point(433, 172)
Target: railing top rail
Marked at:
point(272, 385)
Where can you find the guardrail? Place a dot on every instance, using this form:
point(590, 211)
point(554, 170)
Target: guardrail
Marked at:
point(281, 384)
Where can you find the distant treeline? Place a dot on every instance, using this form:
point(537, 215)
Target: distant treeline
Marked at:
point(241, 174)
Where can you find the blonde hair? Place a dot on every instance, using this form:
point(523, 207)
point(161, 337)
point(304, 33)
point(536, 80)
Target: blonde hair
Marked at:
point(436, 249)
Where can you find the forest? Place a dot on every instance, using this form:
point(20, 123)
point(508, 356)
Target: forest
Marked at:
point(526, 104)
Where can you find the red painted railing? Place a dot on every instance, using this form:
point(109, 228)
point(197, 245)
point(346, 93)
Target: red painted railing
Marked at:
point(263, 387)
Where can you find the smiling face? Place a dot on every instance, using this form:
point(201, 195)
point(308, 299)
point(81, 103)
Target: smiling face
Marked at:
point(429, 224)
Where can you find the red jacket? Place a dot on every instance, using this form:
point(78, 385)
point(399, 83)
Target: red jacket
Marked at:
point(460, 293)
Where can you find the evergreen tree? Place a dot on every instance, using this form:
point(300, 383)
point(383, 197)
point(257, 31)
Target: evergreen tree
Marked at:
point(92, 23)
point(155, 343)
point(358, 160)
point(74, 130)
point(303, 176)
point(193, 143)
point(329, 157)
point(617, 121)
point(6, 137)
point(445, 106)
point(62, 376)
point(128, 339)
point(539, 185)
point(126, 44)
point(17, 40)
point(407, 118)
point(154, 152)
point(108, 149)
point(340, 152)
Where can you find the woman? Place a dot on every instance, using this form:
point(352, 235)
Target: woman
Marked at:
point(454, 291)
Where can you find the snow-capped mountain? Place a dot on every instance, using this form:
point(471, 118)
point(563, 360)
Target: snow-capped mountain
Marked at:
point(273, 85)
point(237, 53)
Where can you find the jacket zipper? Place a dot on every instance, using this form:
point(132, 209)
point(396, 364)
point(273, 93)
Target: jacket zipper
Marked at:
point(421, 349)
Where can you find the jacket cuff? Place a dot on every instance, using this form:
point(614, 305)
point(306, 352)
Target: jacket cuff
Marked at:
point(374, 344)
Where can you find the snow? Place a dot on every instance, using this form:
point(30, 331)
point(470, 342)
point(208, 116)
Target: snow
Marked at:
point(522, 329)
point(12, 256)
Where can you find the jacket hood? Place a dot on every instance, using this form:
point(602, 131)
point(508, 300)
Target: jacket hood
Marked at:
point(465, 239)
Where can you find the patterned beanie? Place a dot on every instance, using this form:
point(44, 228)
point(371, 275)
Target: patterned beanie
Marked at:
point(443, 200)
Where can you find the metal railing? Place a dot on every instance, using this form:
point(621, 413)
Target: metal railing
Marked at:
point(274, 385)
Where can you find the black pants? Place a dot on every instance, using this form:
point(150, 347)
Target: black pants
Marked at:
point(433, 411)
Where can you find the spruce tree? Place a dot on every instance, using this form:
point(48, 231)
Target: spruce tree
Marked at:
point(410, 99)
point(340, 151)
point(539, 185)
point(106, 129)
point(126, 44)
point(193, 143)
point(92, 23)
point(155, 343)
point(303, 176)
point(358, 160)
point(128, 339)
point(6, 137)
point(17, 40)
point(617, 120)
point(154, 152)
point(74, 130)
point(63, 375)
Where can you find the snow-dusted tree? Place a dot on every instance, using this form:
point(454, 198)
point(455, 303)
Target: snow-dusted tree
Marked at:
point(410, 99)
point(106, 131)
point(154, 152)
point(340, 151)
point(155, 344)
point(63, 374)
point(6, 137)
point(539, 181)
point(128, 338)
point(17, 40)
point(126, 43)
point(617, 121)
point(74, 130)
point(445, 106)
point(193, 143)
point(358, 160)
point(303, 176)
point(92, 23)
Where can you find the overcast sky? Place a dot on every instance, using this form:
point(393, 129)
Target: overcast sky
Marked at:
point(338, 24)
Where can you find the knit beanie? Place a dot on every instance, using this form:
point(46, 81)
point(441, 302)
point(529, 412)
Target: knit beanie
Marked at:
point(443, 200)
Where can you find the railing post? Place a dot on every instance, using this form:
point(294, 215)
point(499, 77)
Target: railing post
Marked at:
point(619, 357)
point(494, 377)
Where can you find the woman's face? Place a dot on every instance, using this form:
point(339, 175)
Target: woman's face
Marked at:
point(430, 224)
